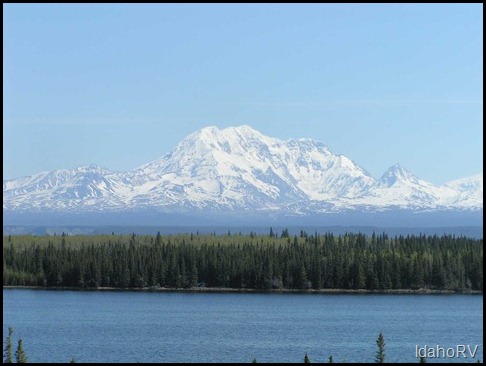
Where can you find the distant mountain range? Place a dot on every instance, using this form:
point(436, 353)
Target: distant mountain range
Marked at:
point(239, 170)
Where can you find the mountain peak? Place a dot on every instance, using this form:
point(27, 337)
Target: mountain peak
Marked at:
point(215, 129)
point(242, 129)
point(237, 168)
point(474, 181)
point(396, 173)
point(227, 133)
point(206, 131)
point(92, 168)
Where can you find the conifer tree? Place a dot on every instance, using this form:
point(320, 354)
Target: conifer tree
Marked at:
point(380, 354)
point(20, 353)
point(330, 359)
point(8, 355)
point(306, 359)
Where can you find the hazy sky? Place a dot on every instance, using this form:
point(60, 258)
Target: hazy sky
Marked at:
point(120, 85)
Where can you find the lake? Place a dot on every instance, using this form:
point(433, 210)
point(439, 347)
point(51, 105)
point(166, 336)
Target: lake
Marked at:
point(124, 326)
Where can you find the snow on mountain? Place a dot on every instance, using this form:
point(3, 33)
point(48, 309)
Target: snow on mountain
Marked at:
point(62, 189)
point(399, 187)
point(397, 175)
point(238, 168)
point(228, 167)
point(470, 192)
point(242, 166)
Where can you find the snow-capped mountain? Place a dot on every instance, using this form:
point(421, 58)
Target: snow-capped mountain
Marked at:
point(237, 169)
point(80, 188)
point(240, 167)
point(399, 187)
point(470, 192)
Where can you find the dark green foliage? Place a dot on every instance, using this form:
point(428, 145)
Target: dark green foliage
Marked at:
point(350, 261)
point(306, 359)
point(20, 356)
point(8, 353)
point(254, 361)
point(422, 359)
point(73, 360)
point(20, 353)
point(380, 354)
point(330, 360)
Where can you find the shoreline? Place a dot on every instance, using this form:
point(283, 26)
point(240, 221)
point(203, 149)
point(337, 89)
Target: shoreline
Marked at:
point(250, 290)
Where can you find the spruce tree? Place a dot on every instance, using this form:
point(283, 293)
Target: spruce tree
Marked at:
point(20, 353)
point(8, 355)
point(330, 359)
point(306, 359)
point(380, 355)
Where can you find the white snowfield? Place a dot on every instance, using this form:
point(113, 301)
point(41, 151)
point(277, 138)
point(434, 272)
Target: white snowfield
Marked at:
point(238, 168)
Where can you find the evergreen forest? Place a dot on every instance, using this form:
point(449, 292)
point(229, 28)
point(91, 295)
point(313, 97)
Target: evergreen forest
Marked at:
point(262, 262)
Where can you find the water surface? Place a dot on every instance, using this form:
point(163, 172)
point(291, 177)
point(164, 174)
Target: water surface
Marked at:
point(105, 326)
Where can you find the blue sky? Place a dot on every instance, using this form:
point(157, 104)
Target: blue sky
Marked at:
point(120, 85)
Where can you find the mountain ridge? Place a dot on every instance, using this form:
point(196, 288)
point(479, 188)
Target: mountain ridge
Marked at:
point(238, 168)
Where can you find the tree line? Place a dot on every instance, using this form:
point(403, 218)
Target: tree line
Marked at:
point(317, 261)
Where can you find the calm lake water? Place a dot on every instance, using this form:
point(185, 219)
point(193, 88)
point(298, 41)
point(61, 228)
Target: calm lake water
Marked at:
point(226, 327)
